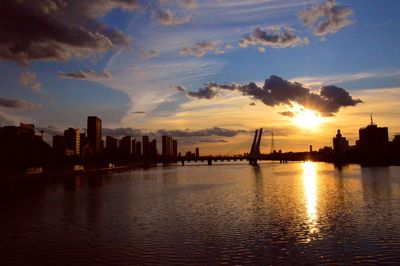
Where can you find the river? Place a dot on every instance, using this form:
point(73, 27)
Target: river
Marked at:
point(294, 213)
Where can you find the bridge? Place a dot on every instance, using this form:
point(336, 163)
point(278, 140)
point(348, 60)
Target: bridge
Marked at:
point(253, 156)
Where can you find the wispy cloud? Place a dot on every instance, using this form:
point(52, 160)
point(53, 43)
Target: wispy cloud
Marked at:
point(12, 103)
point(87, 74)
point(167, 17)
point(325, 18)
point(201, 48)
point(30, 80)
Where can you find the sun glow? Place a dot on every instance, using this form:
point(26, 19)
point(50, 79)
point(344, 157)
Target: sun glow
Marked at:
point(307, 119)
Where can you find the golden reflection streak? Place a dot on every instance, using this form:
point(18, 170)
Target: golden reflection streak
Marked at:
point(310, 191)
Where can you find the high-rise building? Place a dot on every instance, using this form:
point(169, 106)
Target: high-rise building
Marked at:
point(373, 142)
point(153, 148)
point(58, 144)
point(72, 141)
point(94, 133)
point(340, 144)
point(167, 146)
point(174, 148)
point(133, 147)
point(138, 149)
point(146, 148)
point(125, 145)
point(111, 144)
point(197, 152)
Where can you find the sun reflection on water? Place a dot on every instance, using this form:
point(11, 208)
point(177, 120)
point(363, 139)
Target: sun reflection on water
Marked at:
point(310, 191)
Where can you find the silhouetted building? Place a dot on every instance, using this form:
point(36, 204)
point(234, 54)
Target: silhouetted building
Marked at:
point(197, 152)
point(133, 147)
point(111, 144)
point(20, 149)
point(86, 149)
point(153, 149)
point(72, 141)
point(311, 149)
point(138, 149)
point(146, 148)
point(174, 148)
point(340, 144)
point(125, 145)
point(167, 146)
point(59, 144)
point(94, 133)
point(373, 144)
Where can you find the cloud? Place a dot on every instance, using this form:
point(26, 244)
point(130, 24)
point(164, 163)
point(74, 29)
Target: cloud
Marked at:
point(200, 49)
point(58, 29)
point(188, 4)
point(88, 74)
point(326, 18)
point(288, 113)
point(11, 103)
point(202, 93)
point(147, 54)
point(30, 80)
point(168, 18)
point(277, 91)
point(138, 112)
point(208, 132)
point(215, 131)
point(273, 36)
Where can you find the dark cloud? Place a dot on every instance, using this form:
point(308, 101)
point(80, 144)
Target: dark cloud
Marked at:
point(326, 18)
point(138, 112)
point(118, 132)
point(58, 29)
point(201, 49)
point(87, 74)
point(288, 113)
point(203, 93)
point(277, 91)
point(11, 103)
point(209, 132)
point(215, 131)
point(274, 36)
point(168, 18)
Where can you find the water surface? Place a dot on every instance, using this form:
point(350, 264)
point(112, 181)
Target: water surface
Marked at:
point(295, 213)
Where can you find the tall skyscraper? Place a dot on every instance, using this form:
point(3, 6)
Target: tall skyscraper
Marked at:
point(94, 133)
point(146, 146)
point(133, 147)
point(111, 144)
point(373, 142)
point(197, 152)
point(340, 144)
point(59, 145)
point(72, 140)
point(138, 149)
point(125, 145)
point(167, 146)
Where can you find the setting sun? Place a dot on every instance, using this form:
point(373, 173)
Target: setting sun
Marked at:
point(307, 119)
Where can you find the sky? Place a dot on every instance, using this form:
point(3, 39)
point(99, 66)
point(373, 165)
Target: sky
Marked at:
point(207, 72)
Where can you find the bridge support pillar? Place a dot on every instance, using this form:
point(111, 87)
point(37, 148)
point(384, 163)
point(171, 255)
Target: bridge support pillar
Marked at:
point(209, 161)
point(183, 163)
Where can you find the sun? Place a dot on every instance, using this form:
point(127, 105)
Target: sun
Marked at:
point(307, 119)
